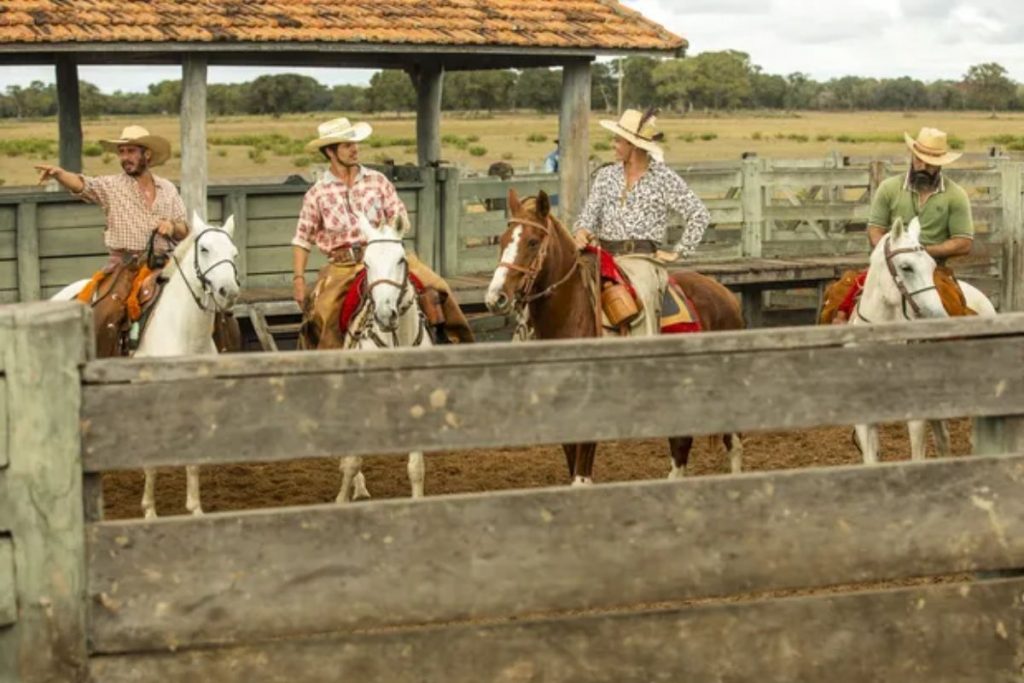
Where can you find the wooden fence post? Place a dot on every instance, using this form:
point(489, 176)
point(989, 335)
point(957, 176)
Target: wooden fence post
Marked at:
point(1012, 295)
point(42, 346)
point(427, 247)
point(236, 204)
point(752, 239)
point(28, 252)
point(193, 134)
point(451, 216)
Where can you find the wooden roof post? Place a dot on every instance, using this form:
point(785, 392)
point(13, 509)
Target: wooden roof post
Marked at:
point(193, 134)
point(428, 79)
point(574, 140)
point(69, 114)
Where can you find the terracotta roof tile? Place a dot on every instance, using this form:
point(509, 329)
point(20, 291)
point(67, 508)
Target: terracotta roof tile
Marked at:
point(575, 24)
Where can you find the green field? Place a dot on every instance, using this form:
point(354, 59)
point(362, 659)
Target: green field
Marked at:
point(250, 146)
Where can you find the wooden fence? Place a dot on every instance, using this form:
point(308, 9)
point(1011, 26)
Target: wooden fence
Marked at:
point(623, 582)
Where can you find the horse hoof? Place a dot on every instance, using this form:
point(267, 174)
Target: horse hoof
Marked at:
point(150, 513)
point(341, 499)
point(197, 512)
point(582, 481)
point(677, 473)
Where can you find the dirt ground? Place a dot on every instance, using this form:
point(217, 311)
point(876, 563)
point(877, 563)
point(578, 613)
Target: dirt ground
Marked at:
point(306, 482)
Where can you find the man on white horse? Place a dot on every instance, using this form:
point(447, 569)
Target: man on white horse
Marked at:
point(943, 210)
point(330, 220)
point(144, 214)
point(627, 210)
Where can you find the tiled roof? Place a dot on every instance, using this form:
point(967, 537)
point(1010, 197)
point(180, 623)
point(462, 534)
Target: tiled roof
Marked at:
point(568, 24)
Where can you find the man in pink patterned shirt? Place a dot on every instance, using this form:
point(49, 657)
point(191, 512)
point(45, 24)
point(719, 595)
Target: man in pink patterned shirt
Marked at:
point(330, 220)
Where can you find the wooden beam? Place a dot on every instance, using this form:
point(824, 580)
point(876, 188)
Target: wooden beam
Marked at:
point(427, 236)
point(237, 204)
point(69, 114)
point(512, 554)
point(450, 238)
point(574, 140)
point(753, 209)
point(1013, 237)
point(193, 134)
point(28, 252)
point(45, 344)
point(8, 589)
point(506, 395)
point(428, 78)
point(959, 633)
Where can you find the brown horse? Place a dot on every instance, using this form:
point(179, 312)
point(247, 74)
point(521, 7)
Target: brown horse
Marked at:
point(539, 274)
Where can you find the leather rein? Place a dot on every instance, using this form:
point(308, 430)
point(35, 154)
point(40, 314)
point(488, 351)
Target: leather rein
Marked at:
point(524, 293)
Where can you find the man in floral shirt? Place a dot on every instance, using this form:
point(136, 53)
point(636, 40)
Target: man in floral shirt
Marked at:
point(329, 220)
point(627, 210)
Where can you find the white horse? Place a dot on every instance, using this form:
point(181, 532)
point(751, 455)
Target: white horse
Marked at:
point(390, 317)
point(202, 279)
point(900, 286)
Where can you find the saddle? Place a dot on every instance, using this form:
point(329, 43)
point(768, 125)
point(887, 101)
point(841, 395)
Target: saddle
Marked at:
point(623, 309)
point(120, 298)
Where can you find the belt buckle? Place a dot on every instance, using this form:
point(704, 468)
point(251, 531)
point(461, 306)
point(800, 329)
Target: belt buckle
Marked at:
point(629, 247)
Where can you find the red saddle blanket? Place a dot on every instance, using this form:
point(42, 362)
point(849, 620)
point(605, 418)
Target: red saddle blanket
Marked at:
point(353, 298)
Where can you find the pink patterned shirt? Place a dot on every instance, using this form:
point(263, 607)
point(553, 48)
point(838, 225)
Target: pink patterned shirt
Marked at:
point(130, 221)
point(329, 217)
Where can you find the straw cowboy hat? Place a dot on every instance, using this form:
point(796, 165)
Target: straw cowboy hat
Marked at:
point(932, 147)
point(137, 135)
point(639, 129)
point(339, 130)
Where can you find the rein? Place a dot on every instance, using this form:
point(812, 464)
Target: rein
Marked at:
point(367, 325)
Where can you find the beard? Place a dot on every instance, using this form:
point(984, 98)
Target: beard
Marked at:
point(135, 170)
point(923, 181)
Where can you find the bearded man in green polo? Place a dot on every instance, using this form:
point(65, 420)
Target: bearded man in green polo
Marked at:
point(939, 204)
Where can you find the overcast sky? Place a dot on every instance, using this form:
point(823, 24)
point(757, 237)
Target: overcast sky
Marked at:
point(926, 39)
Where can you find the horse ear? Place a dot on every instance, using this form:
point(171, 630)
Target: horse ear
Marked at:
point(543, 204)
point(229, 226)
point(514, 205)
point(914, 231)
point(897, 228)
point(366, 226)
point(402, 224)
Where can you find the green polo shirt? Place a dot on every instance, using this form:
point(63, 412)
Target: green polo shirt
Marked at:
point(946, 213)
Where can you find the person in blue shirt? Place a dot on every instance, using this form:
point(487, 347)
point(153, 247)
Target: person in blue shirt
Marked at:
point(551, 162)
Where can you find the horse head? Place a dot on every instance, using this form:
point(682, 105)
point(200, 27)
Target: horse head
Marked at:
point(213, 261)
point(387, 271)
point(523, 249)
point(905, 272)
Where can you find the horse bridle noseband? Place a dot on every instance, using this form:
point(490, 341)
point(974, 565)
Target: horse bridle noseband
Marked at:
point(203, 275)
point(907, 295)
point(523, 293)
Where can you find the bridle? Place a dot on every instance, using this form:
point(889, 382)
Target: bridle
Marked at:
point(368, 328)
point(906, 295)
point(524, 294)
point(203, 275)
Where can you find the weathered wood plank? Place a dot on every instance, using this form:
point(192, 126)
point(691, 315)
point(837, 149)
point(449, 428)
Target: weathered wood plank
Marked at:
point(425, 221)
point(70, 213)
point(279, 260)
point(815, 247)
point(451, 217)
point(58, 242)
point(479, 189)
point(428, 80)
point(514, 554)
point(478, 261)
point(934, 634)
point(4, 428)
point(237, 206)
point(808, 177)
point(69, 114)
point(805, 212)
point(276, 206)
point(8, 591)
point(444, 407)
point(8, 218)
point(753, 198)
point(44, 344)
point(972, 179)
point(710, 182)
point(574, 136)
point(9, 275)
point(57, 272)
point(28, 253)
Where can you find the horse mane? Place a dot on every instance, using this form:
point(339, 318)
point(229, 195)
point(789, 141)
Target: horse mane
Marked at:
point(179, 253)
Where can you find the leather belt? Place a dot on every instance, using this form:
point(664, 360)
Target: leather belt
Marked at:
point(624, 247)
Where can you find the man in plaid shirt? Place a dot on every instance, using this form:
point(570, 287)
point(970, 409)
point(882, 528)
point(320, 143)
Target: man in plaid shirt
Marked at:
point(137, 204)
point(330, 220)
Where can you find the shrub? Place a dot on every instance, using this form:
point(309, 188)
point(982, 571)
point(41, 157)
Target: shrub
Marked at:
point(708, 136)
point(601, 146)
point(536, 137)
point(92, 150)
point(478, 151)
point(301, 162)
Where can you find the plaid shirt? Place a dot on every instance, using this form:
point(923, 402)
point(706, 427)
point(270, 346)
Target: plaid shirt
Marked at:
point(130, 220)
point(612, 213)
point(329, 217)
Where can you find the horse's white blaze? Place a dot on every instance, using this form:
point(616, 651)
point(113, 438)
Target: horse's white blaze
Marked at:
point(501, 272)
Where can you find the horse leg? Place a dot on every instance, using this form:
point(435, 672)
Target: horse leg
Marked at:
point(148, 497)
point(585, 464)
point(867, 441)
point(192, 503)
point(570, 458)
point(359, 490)
point(679, 450)
point(917, 430)
point(350, 469)
point(734, 447)
point(416, 473)
point(943, 445)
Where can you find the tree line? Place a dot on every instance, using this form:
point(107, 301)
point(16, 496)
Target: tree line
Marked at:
point(723, 80)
